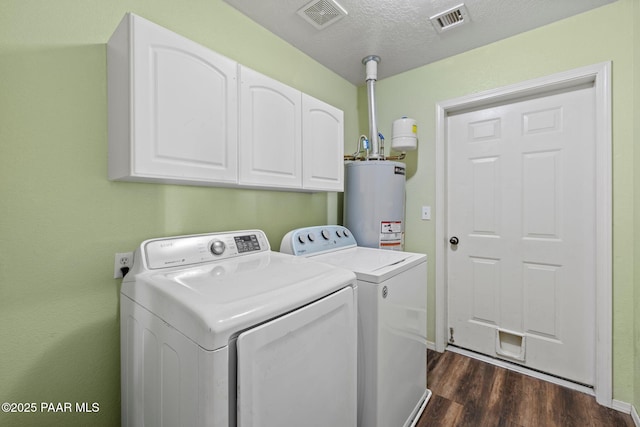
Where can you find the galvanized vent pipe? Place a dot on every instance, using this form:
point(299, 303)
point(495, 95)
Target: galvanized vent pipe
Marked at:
point(371, 67)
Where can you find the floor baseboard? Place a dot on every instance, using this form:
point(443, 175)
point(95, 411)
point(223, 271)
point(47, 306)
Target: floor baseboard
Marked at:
point(621, 406)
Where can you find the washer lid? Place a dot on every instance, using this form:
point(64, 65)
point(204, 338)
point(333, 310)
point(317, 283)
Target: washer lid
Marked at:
point(370, 264)
point(211, 302)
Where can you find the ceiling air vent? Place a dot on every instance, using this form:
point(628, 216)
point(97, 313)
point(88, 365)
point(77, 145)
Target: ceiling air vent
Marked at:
point(450, 18)
point(322, 13)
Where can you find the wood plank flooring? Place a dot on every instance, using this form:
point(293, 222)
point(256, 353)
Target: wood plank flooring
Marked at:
point(468, 392)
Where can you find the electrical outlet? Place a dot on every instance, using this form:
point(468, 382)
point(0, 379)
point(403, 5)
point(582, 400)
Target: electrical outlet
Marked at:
point(124, 259)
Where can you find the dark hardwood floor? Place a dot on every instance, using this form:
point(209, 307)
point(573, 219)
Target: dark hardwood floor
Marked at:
point(468, 392)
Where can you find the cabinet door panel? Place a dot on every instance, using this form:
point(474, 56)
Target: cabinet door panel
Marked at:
point(323, 145)
point(188, 120)
point(270, 132)
point(173, 108)
point(185, 107)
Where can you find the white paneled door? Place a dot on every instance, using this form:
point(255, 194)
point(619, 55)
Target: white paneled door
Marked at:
point(521, 224)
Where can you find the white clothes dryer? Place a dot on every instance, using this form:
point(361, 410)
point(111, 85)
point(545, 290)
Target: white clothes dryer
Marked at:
point(219, 331)
point(392, 321)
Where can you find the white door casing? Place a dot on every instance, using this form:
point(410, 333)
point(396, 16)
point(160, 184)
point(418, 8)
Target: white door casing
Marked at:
point(598, 76)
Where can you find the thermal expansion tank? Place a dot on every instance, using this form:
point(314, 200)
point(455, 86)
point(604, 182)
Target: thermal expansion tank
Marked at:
point(374, 199)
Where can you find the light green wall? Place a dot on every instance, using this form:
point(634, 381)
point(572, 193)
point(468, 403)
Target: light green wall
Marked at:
point(604, 34)
point(61, 220)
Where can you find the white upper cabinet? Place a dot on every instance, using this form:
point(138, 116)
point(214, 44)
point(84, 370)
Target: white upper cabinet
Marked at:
point(270, 132)
point(172, 108)
point(323, 145)
point(180, 113)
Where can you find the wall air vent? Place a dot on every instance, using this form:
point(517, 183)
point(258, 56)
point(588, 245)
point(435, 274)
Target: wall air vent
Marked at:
point(451, 18)
point(322, 13)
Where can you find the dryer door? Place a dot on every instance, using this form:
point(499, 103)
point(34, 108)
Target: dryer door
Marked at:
point(300, 369)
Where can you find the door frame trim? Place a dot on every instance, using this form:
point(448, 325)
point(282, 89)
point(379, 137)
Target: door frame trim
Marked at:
point(600, 76)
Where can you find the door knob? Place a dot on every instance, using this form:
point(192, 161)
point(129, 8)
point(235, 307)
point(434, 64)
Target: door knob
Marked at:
point(454, 240)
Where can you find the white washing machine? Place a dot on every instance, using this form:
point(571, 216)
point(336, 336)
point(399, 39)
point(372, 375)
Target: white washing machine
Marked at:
point(219, 331)
point(392, 322)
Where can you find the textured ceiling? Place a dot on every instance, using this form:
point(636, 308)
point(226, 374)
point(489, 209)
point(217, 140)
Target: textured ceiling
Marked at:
point(400, 32)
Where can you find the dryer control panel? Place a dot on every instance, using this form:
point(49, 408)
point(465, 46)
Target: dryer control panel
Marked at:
point(315, 240)
point(198, 248)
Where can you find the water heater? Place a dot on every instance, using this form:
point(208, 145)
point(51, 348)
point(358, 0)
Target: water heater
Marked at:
point(374, 203)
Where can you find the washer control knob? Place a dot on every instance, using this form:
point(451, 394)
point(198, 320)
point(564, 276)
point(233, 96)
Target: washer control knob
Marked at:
point(311, 237)
point(345, 232)
point(301, 239)
point(217, 247)
point(325, 234)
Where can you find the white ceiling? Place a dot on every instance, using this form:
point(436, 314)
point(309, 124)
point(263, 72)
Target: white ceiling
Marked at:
point(400, 32)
